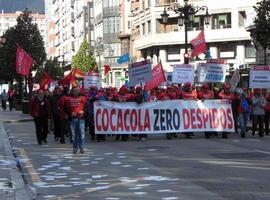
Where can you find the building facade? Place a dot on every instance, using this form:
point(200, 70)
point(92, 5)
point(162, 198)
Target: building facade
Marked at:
point(73, 23)
point(9, 20)
point(226, 35)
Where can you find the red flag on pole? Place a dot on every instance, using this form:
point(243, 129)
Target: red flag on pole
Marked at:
point(199, 44)
point(158, 77)
point(107, 68)
point(77, 73)
point(23, 62)
point(45, 80)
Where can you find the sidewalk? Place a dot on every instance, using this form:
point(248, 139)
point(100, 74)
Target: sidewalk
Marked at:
point(12, 186)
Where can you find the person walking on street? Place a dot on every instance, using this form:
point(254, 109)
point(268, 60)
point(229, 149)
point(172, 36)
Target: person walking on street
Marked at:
point(258, 103)
point(40, 111)
point(11, 97)
point(76, 106)
point(4, 98)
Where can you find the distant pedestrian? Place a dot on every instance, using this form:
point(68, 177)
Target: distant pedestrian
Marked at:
point(4, 98)
point(76, 106)
point(258, 103)
point(11, 97)
point(40, 111)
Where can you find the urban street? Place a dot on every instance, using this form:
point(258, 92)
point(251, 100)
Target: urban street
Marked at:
point(157, 168)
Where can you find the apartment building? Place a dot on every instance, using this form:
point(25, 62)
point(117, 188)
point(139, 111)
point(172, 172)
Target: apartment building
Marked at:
point(8, 20)
point(226, 35)
point(73, 24)
point(107, 27)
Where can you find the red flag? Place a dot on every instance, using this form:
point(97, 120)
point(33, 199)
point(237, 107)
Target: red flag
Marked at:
point(45, 80)
point(199, 45)
point(67, 79)
point(23, 62)
point(158, 77)
point(76, 72)
point(107, 68)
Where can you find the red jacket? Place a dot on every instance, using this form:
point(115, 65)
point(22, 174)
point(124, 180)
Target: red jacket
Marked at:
point(75, 105)
point(206, 95)
point(35, 106)
point(62, 107)
point(229, 96)
point(189, 95)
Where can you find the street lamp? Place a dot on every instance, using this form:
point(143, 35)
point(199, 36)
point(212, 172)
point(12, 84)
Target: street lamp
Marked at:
point(186, 15)
point(99, 48)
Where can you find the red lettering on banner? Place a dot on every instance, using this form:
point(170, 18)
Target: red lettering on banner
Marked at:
point(199, 118)
point(193, 119)
point(205, 117)
point(186, 118)
point(125, 120)
point(133, 120)
point(215, 118)
point(105, 126)
point(111, 117)
point(230, 119)
point(98, 127)
point(147, 120)
point(223, 118)
point(139, 121)
point(210, 118)
point(119, 121)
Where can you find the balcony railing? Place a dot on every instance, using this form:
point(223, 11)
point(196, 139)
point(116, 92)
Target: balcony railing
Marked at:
point(223, 26)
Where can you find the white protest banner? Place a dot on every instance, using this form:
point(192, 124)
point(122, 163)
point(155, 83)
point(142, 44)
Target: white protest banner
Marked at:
point(201, 72)
point(92, 79)
point(259, 77)
point(139, 72)
point(183, 73)
point(215, 71)
point(163, 117)
point(235, 80)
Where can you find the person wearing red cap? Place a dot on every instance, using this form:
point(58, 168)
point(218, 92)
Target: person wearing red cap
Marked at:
point(226, 94)
point(206, 94)
point(40, 111)
point(76, 105)
point(188, 93)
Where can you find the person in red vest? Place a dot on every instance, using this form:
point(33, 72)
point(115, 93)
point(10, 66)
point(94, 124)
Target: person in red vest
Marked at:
point(188, 93)
point(40, 111)
point(11, 97)
point(226, 94)
point(206, 94)
point(76, 106)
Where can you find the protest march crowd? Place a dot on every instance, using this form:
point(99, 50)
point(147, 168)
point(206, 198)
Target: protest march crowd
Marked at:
point(73, 111)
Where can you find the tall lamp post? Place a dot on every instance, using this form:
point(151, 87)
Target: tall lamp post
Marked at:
point(99, 48)
point(186, 15)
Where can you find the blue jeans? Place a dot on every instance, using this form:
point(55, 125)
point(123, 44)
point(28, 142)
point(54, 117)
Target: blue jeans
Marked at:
point(243, 118)
point(77, 128)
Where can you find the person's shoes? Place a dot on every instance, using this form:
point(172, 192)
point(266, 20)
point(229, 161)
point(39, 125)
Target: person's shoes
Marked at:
point(253, 134)
point(75, 150)
point(56, 139)
point(243, 135)
point(215, 134)
point(45, 141)
point(62, 142)
point(40, 142)
point(81, 150)
point(175, 135)
point(261, 134)
point(207, 136)
point(188, 136)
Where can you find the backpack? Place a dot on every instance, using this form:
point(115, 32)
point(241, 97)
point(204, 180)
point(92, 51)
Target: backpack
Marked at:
point(244, 104)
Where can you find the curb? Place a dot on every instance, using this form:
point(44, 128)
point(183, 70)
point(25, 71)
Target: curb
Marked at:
point(19, 120)
point(19, 188)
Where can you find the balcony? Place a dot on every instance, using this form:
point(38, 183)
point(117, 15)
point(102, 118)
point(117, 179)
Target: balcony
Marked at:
point(173, 38)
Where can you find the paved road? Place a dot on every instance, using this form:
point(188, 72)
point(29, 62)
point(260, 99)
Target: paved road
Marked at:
point(215, 169)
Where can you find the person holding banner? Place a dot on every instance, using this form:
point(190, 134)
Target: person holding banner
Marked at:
point(76, 105)
point(225, 94)
point(206, 94)
point(258, 103)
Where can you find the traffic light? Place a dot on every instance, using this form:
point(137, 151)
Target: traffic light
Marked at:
point(186, 58)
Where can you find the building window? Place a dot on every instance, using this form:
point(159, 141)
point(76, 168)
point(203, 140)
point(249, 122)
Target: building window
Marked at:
point(143, 29)
point(149, 26)
point(242, 18)
point(250, 51)
point(220, 21)
point(173, 54)
point(129, 24)
point(227, 51)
